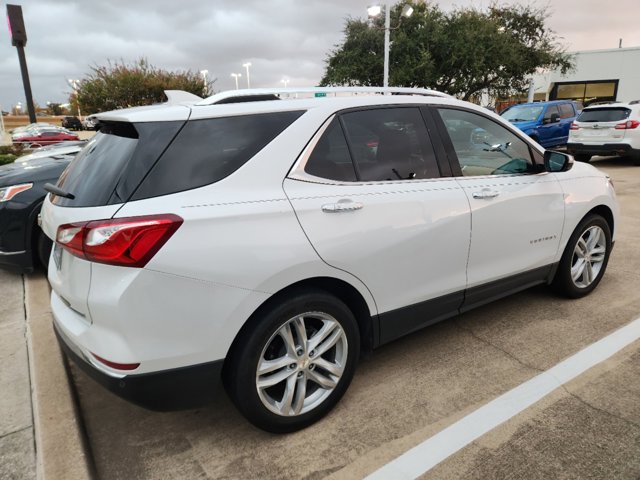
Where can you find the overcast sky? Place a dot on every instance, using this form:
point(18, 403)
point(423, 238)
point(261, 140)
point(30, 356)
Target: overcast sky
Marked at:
point(281, 38)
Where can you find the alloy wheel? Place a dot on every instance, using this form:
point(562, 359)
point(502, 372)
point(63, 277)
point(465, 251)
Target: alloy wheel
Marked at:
point(301, 364)
point(588, 256)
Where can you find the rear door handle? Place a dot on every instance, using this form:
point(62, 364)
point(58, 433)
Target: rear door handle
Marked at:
point(342, 206)
point(486, 193)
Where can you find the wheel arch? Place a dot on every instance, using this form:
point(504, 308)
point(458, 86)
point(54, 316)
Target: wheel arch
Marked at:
point(606, 213)
point(347, 293)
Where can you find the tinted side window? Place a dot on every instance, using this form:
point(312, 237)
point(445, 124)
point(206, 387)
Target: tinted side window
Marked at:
point(551, 109)
point(485, 147)
point(566, 110)
point(206, 151)
point(390, 144)
point(330, 157)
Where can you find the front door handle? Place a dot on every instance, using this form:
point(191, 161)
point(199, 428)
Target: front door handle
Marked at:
point(486, 193)
point(342, 206)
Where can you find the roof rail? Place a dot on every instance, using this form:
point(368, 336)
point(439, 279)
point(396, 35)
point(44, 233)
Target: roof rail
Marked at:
point(289, 93)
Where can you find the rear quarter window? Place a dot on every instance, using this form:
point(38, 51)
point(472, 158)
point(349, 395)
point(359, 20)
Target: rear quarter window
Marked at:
point(206, 151)
point(604, 115)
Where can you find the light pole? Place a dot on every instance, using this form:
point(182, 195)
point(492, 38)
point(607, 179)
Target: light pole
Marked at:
point(374, 11)
point(74, 84)
point(236, 75)
point(246, 66)
point(204, 79)
point(285, 81)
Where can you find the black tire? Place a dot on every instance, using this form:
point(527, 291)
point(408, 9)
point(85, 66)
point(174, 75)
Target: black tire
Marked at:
point(582, 157)
point(43, 246)
point(563, 282)
point(635, 157)
point(262, 337)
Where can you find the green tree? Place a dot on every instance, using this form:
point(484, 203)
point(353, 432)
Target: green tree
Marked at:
point(54, 109)
point(461, 52)
point(118, 85)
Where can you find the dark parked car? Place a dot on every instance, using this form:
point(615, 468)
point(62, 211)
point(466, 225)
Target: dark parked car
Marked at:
point(72, 123)
point(23, 246)
point(546, 122)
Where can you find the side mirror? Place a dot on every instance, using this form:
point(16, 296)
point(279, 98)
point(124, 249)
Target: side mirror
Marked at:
point(557, 161)
point(555, 118)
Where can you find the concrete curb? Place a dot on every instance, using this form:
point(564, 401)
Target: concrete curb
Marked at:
point(60, 451)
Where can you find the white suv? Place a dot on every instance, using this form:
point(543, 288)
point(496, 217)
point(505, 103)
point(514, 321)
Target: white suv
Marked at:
point(608, 129)
point(268, 238)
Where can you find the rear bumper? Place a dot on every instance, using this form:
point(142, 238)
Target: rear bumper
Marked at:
point(179, 388)
point(604, 149)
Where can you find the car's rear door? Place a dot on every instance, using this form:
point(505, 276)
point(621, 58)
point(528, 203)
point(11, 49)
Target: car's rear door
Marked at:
point(517, 213)
point(370, 196)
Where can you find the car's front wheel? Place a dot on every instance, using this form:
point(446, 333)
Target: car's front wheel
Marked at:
point(585, 258)
point(582, 157)
point(295, 362)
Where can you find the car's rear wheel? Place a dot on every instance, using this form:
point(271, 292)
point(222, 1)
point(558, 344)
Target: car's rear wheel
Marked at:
point(582, 157)
point(635, 157)
point(585, 258)
point(295, 363)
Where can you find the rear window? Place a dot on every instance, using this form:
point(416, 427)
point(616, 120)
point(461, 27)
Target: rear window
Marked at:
point(206, 151)
point(112, 164)
point(604, 115)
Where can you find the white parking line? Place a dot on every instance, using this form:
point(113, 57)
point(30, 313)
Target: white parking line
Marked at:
point(426, 455)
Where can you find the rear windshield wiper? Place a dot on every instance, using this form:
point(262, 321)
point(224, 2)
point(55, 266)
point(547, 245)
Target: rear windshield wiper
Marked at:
point(58, 191)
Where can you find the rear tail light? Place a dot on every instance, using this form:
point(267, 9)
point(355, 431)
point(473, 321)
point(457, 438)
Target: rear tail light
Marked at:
point(129, 242)
point(628, 125)
point(574, 126)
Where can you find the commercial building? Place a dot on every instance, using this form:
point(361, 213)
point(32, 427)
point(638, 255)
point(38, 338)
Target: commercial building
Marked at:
point(599, 75)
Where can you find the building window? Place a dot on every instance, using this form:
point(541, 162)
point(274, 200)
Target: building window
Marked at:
point(585, 92)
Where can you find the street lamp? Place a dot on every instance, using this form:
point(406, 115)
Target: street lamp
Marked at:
point(236, 75)
point(246, 66)
point(285, 81)
point(374, 11)
point(204, 79)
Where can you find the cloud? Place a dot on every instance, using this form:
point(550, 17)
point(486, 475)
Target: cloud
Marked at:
point(281, 38)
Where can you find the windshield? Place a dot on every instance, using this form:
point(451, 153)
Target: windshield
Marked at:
point(529, 113)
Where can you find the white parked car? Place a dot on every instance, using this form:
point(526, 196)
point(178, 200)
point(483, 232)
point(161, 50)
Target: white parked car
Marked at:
point(269, 238)
point(609, 129)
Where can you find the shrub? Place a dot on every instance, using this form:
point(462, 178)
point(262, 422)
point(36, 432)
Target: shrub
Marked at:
point(7, 158)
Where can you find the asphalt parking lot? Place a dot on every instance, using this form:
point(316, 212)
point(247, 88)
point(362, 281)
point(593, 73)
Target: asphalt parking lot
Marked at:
point(417, 386)
point(413, 388)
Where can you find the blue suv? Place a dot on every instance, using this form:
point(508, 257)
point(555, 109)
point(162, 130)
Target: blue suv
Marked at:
point(546, 122)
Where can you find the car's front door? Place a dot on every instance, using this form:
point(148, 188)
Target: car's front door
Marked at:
point(517, 211)
point(370, 197)
point(550, 132)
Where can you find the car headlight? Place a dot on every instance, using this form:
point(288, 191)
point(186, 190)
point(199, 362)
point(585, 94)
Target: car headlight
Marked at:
point(7, 193)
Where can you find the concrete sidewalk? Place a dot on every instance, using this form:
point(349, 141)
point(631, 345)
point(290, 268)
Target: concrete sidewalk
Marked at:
point(17, 440)
point(40, 434)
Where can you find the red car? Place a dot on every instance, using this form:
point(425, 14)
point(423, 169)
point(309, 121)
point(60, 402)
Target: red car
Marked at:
point(45, 137)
